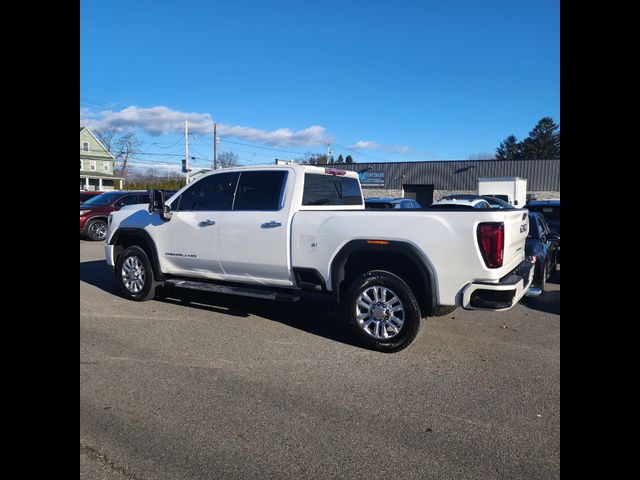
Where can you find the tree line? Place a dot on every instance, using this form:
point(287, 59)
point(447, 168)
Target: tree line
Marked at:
point(324, 159)
point(543, 143)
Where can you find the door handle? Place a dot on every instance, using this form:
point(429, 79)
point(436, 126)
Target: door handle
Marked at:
point(271, 224)
point(206, 223)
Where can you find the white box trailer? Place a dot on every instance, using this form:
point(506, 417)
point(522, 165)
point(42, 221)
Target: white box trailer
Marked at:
point(509, 189)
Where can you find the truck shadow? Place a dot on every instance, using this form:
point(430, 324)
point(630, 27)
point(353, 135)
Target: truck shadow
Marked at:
point(549, 301)
point(312, 314)
point(98, 274)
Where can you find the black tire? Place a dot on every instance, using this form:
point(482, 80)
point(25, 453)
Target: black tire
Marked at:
point(543, 278)
point(135, 283)
point(97, 230)
point(412, 318)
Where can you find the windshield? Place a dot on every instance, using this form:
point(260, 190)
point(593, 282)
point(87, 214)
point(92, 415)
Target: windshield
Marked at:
point(103, 199)
point(498, 203)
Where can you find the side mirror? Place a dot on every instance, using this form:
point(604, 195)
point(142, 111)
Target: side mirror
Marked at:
point(156, 204)
point(515, 202)
point(156, 201)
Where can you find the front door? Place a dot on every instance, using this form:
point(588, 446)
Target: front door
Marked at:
point(188, 243)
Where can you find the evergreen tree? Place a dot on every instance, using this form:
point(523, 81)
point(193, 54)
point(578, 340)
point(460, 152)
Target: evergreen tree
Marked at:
point(509, 149)
point(543, 142)
point(349, 159)
point(340, 159)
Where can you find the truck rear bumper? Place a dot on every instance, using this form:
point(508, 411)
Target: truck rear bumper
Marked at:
point(501, 295)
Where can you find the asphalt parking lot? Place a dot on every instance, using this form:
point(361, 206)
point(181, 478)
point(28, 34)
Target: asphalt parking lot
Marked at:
point(211, 386)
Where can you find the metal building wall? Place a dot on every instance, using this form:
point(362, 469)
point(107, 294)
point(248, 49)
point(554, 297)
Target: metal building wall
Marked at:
point(541, 175)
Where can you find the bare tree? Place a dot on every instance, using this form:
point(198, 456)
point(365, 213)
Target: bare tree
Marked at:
point(106, 135)
point(122, 146)
point(227, 159)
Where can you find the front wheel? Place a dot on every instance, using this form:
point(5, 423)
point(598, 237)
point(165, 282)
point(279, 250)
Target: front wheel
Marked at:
point(97, 230)
point(383, 312)
point(135, 275)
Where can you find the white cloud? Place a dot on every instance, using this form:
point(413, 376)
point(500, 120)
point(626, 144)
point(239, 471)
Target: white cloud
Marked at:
point(281, 137)
point(371, 145)
point(161, 120)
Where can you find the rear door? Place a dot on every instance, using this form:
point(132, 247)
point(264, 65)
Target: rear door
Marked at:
point(254, 236)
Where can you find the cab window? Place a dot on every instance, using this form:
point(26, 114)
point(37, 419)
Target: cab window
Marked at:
point(260, 191)
point(212, 193)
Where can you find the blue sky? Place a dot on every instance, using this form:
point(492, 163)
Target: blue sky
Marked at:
point(392, 80)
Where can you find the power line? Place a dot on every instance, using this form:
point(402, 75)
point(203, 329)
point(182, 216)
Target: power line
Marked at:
point(359, 153)
point(265, 148)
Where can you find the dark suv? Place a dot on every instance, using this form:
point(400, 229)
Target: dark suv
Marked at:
point(550, 210)
point(94, 212)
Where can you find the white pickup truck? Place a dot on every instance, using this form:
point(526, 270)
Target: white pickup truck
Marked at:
point(274, 231)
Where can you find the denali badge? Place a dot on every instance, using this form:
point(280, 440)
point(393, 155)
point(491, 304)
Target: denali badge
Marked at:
point(190, 255)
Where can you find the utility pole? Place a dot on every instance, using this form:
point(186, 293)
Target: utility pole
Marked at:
point(186, 148)
point(215, 141)
point(329, 153)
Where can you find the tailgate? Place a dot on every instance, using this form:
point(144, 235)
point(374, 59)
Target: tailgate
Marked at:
point(516, 226)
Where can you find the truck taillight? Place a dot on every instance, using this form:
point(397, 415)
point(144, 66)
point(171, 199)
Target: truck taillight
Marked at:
point(491, 242)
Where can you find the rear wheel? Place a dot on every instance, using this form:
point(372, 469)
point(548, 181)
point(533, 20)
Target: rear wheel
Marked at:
point(135, 275)
point(382, 311)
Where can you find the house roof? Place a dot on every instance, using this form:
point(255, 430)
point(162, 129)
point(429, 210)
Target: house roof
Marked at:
point(97, 140)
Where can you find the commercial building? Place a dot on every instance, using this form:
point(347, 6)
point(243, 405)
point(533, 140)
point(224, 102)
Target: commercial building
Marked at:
point(429, 181)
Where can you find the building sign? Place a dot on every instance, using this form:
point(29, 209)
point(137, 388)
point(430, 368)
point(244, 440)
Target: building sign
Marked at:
point(369, 178)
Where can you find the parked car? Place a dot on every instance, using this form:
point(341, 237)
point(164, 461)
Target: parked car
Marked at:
point(461, 202)
point(463, 198)
point(542, 243)
point(95, 211)
point(272, 232)
point(550, 209)
point(390, 203)
point(86, 195)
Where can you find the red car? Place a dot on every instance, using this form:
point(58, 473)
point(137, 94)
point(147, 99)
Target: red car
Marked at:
point(95, 211)
point(86, 195)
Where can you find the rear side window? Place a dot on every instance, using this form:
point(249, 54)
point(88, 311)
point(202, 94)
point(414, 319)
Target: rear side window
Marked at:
point(330, 190)
point(260, 191)
point(129, 200)
point(212, 193)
